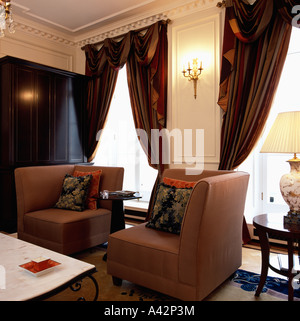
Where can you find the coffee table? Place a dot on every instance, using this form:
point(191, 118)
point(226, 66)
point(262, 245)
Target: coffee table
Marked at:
point(17, 284)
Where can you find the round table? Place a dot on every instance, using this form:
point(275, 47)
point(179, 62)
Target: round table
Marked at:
point(274, 224)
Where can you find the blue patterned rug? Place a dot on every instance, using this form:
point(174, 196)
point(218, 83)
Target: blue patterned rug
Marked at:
point(249, 281)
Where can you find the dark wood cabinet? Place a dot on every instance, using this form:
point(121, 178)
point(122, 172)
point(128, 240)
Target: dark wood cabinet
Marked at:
point(42, 116)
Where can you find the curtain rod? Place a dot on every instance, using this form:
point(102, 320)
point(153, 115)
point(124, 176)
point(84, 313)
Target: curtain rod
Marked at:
point(123, 34)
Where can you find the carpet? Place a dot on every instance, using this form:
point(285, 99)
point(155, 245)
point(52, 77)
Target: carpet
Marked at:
point(241, 287)
point(275, 286)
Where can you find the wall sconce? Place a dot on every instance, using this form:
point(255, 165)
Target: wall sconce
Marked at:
point(193, 73)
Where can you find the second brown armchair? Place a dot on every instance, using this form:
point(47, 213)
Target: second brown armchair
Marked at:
point(189, 265)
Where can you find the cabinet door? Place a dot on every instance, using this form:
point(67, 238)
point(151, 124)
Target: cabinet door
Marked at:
point(60, 122)
point(33, 94)
point(76, 121)
point(43, 90)
point(6, 102)
point(24, 115)
point(68, 120)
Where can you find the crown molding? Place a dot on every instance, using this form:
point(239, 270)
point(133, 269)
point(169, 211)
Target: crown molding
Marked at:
point(116, 31)
point(38, 30)
point(112, 30)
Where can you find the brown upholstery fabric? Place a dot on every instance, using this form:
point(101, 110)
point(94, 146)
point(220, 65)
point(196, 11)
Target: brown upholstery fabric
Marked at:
point(65, 231)
point(191, 265)
point(68, 229)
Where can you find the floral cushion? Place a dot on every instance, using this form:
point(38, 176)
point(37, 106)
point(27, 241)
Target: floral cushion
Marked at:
point(91, 201)
point(74, 192)
point(169, 207)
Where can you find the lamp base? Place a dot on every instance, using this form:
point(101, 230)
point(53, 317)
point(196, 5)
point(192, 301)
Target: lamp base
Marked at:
point(292, 218)
point(290, 191)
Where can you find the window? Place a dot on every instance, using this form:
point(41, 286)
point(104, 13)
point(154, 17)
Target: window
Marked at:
point(119, 145)
point(266, 169)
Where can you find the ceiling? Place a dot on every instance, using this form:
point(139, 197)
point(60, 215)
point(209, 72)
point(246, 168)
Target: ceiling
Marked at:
point(76, 17)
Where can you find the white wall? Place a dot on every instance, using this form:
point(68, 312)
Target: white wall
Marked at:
point(197, 35)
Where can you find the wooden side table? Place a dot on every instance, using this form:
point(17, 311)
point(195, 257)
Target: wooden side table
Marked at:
point(266, 224)
point(117, 211)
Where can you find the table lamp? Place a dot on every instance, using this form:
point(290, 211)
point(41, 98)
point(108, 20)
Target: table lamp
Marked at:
point(284, 137)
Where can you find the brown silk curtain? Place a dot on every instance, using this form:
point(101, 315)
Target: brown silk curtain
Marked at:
point(102, 66)
point(146, 56)
point(147, 83)
point(256, 40)
point(99, 99)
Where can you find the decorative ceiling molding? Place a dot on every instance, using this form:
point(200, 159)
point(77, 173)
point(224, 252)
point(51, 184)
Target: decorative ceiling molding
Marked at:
point(43, 34)
point(124, 29)
point(113, 31)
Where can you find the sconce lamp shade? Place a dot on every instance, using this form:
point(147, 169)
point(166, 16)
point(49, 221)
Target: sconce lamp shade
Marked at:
point(284, 136)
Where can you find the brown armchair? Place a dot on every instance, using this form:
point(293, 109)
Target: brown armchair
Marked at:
point(65, 231)
point(208, 250)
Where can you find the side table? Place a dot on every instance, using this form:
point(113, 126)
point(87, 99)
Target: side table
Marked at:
point(117, 211)
point(266, 224)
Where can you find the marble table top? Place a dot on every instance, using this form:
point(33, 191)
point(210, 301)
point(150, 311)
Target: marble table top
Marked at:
point(17, 284)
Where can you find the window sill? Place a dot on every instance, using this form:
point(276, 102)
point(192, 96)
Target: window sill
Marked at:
point(136, 206)
point(136, 210)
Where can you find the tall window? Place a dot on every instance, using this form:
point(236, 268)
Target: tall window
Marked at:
point(119, 145)
point(266, 169)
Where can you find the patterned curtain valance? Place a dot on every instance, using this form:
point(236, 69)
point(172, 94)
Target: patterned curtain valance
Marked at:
point(116, 53)
point(286, 8)
point(249, 21)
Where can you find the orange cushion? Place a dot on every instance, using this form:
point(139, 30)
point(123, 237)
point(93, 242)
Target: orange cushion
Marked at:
point(178, 183)
point(91, 202)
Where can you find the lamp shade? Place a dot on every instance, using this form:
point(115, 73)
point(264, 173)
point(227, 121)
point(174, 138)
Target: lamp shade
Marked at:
point(284, 136)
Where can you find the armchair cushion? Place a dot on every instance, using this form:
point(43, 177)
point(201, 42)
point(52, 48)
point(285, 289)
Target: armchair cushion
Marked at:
point(169, 207)
point(74, 192)
point(178, 183)
point(91, 201)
